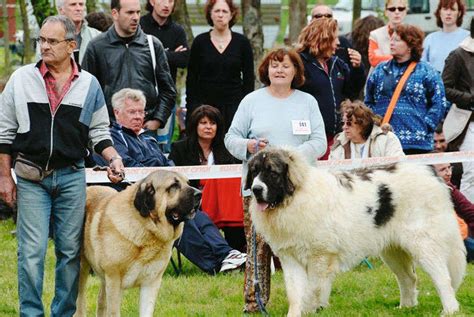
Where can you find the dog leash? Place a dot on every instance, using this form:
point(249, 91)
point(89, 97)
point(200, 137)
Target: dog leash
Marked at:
point(256, 282)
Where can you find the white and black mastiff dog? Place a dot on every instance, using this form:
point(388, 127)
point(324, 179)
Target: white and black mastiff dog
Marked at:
point(320, 223)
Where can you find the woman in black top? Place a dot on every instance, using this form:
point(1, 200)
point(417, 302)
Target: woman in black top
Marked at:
point(204, 145)
point(220, 70)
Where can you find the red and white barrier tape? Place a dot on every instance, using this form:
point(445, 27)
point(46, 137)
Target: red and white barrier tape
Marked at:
point(134, 174)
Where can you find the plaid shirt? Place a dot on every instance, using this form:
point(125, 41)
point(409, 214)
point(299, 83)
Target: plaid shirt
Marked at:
point(55, 97)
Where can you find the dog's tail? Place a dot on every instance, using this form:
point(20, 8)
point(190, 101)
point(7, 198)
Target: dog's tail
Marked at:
point(457, 266)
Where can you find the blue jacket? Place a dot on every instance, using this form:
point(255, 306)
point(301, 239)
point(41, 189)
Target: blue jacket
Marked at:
point(331, 89)
point(421, 106)
point(136, 151)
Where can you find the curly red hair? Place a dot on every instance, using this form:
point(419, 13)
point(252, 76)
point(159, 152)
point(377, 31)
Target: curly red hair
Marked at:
point(413, 36)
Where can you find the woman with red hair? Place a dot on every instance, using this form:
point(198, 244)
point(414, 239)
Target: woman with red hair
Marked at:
point(438, 45)
point(328, 78)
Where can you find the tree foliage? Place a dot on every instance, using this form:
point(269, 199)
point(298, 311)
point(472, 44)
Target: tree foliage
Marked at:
point(91, 6)
point(43, 9)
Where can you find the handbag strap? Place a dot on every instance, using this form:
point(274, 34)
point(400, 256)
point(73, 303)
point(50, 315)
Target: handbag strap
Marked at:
point(153, 57)
point(397, 92)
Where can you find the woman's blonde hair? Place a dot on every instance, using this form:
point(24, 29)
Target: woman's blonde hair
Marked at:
point(318, 37)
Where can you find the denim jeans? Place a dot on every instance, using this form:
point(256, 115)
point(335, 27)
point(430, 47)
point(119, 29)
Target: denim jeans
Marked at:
point(60, 196)
point(202, 243)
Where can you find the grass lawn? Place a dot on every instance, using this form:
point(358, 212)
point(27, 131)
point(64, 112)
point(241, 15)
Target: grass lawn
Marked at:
point(361, 292)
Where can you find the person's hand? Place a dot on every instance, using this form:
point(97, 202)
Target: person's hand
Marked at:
point(255, 145)
point(152, 125)
point(116, 170)
point(354, 57)
point(181, 48)
point(8, 190)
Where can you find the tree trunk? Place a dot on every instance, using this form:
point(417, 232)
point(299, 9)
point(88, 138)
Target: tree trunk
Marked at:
point(181, 16)
point(356, 9)
point(253, 30)
point(6, 37)
point(296, 19)
point(91, 6)
point(28, 48)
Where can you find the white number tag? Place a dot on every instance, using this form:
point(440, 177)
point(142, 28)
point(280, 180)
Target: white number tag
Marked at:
point(301, 127)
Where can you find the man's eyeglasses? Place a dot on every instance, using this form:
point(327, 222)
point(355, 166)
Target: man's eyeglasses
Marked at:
point(319, 16)
point(52, 42)
point(393, 9)
point(135, 112)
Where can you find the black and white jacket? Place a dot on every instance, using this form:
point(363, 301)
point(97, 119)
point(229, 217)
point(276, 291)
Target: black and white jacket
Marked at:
point(52, 140)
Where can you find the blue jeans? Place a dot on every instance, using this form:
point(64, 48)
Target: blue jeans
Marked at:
point(469, 243)
point(202, 243)
point(60, 196)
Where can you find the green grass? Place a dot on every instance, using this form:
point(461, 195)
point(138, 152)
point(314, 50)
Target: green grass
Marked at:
point(360, 292)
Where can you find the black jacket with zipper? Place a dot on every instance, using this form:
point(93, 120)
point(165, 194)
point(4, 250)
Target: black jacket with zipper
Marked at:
point(118, 64)
point(331, 88)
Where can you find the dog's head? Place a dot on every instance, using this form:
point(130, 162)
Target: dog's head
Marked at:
point(166, 194)
point(272, 177)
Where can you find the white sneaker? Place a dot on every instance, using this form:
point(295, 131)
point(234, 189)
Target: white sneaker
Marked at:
point(233, 260)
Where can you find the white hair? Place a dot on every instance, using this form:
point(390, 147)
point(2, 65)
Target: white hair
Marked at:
point(118, 99)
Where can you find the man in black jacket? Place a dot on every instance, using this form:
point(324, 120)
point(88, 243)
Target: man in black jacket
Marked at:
point(158, 23)
point(121, 58)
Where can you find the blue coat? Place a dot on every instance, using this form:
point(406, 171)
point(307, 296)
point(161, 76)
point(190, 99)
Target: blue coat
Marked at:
point(136, 150)
point(421, 106)
point(330, 89)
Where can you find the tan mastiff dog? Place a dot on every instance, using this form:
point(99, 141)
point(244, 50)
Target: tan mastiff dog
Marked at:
point(129, 235)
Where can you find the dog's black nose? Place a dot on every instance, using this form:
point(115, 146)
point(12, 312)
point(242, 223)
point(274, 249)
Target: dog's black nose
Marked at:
point(257, 190)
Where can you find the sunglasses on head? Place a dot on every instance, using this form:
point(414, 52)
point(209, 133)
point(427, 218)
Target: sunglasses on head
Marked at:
point(393, 9)
point(319, 16)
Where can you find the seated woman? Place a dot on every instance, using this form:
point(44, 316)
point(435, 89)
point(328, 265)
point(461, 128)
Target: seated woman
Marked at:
point(204, 145)
point(362, 136)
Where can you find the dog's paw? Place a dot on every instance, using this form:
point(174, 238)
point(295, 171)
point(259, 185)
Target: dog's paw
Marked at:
point(450, 309)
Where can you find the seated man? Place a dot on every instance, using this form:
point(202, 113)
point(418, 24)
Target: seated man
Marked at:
point(201, 241)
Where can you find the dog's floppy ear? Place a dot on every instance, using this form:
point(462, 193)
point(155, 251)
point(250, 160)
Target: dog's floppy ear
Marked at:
point(248, 179)
point(145, 199)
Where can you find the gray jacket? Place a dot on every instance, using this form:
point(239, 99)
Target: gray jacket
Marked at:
point(118, 64)
point(87, 34)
